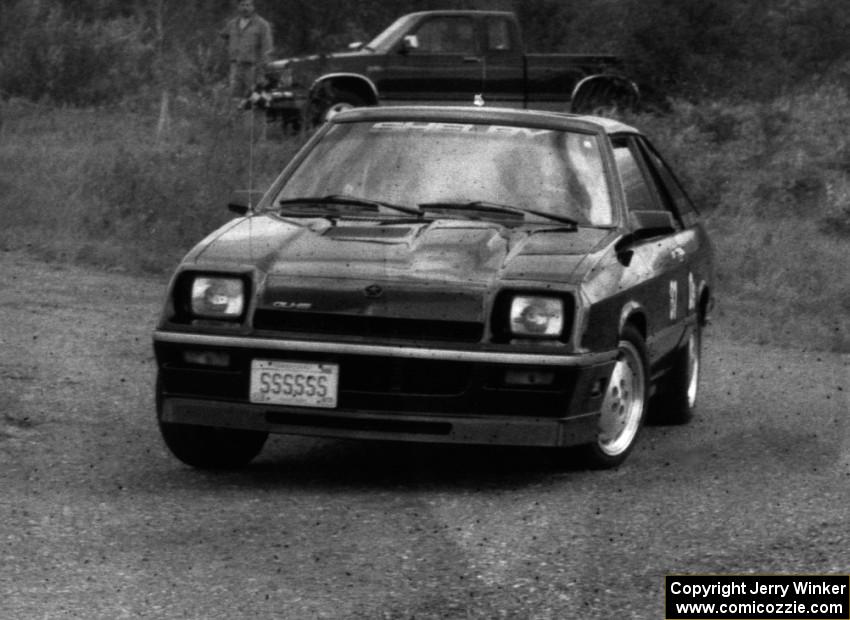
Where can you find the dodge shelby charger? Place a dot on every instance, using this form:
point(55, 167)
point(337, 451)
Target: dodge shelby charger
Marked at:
point(458, 275)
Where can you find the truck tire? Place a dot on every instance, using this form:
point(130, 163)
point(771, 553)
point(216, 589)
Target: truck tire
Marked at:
point(600, 94)
point(339, 101)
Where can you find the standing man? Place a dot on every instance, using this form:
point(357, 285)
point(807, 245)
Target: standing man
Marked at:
point(249, 48)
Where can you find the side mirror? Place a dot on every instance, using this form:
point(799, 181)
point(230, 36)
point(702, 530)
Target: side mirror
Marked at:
point(243, 200)
point(409, 43)
point(645, 224)
point(356, 45)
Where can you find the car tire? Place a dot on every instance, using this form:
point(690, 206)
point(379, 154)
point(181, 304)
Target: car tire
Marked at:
point(208, 447)
point(340, 101)
point(676, 402)
point(624, 405)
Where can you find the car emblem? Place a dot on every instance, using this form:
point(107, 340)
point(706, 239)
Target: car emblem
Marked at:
point(373, 291)
point(293, 305)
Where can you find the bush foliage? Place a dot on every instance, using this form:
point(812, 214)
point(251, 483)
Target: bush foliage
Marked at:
point(66, 60)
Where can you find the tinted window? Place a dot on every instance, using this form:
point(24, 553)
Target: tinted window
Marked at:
point(499, 35)
point(639, 195)
point(672, 190)
point(448, 35)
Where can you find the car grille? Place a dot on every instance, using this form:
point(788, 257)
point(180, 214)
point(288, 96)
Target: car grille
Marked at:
point(367, 326)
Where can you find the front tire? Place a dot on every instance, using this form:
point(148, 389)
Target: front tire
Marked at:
point(624, 405)
point(207, 447)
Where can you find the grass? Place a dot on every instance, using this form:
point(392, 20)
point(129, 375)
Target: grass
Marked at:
point(773, 183)
point(105, 187)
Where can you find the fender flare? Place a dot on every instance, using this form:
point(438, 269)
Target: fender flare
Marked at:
point(323, 81)
point(631, 309)
point(600, 85)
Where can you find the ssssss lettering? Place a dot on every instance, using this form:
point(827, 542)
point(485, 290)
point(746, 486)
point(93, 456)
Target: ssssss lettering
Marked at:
point(288, 384)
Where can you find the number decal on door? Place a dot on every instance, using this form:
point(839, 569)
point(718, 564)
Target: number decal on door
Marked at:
point(674, 300)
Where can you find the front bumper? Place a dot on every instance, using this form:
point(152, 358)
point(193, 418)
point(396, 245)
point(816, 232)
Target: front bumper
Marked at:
point(286, 102)
point(406, 393)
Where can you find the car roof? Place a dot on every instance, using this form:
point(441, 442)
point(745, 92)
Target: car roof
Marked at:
point(470, 114)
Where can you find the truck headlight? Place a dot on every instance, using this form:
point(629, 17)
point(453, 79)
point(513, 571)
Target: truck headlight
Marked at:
point(215, 297)
point(537, 316)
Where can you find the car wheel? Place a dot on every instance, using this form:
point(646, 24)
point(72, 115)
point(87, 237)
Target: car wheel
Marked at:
point(677, 401)
point(624, 404)
point(208, 447)
point(340, 101)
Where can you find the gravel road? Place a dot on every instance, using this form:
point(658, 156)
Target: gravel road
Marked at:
point(98, 521)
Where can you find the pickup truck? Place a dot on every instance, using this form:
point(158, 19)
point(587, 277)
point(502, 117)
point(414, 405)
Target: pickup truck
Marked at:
point(445, 57)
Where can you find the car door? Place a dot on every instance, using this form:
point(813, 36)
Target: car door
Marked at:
point(664, 255)
point(440, 63)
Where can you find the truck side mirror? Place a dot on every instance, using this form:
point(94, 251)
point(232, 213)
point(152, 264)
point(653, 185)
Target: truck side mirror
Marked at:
point(409, 43)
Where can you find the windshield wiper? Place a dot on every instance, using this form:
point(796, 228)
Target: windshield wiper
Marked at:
point(483, 206)
point(344, 199)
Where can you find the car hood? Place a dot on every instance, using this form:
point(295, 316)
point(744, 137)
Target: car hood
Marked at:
point(451, 263)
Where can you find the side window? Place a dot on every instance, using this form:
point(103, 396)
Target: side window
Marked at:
point(499, 35)
point(639, 194)
point(447, 35)
point(669, 183)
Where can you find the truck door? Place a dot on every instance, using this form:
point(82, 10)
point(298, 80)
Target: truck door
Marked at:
point(504, 62)
point(438, 61)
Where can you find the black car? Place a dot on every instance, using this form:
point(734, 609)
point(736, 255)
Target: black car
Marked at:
point(464, 275)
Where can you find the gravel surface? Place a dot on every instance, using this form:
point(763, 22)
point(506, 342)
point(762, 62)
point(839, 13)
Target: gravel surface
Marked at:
point(97, 520)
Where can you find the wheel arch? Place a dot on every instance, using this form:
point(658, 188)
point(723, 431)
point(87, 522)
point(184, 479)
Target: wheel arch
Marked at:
point(610, 87)
point(634, 314)
point(356, 83)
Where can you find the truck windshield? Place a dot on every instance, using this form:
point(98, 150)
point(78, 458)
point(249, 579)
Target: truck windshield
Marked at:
point(414, 163)
point(390, 35)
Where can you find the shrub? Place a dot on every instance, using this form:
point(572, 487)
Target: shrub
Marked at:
point(67, 60)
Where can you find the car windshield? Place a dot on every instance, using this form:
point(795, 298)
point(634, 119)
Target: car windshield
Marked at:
point(454, 164)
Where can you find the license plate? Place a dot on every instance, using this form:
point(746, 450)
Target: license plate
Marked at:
point(300, 384)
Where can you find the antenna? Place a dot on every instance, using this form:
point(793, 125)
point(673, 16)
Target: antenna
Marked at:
point(253, 113)
point(251, 159)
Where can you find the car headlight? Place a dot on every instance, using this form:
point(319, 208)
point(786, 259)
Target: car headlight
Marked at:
point(537, 316)
point(214, 297)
